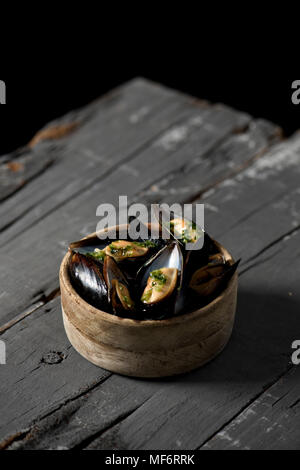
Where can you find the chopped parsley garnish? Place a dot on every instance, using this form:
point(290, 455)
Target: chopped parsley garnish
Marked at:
point(123, 250)
point(127, 301)
point(145, 244)
point(186, 231)
point(123, 292)
point(146, 296)
point(158, 277)
point(98, 255)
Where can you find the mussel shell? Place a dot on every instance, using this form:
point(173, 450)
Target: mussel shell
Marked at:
point(170, 256)
point(130, 266)
point(114, 277)
point(164, 219)
point(87, 277)
point(88, 245)
point(210, 280)
point(192, 258)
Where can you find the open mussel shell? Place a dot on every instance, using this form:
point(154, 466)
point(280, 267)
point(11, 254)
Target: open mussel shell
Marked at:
point(131, 254)
point(211, 279)
point(176, 227)
point(160, 281)
point(196, 245)
point(87, 276)
point(119, 295)
point(91, 246)
point(122, 250)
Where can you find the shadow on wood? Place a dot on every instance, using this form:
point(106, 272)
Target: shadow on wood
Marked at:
point(264, 331)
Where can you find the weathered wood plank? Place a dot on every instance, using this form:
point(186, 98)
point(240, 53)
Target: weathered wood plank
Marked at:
point(77, 422)
point(267, 189)
point(20, 168)
point(186, 411)
point(77, 164)
point(181, 412)
point(42, 372)
point(49, 237)
point(197, 176)
point(272, 422)
point(260, 204)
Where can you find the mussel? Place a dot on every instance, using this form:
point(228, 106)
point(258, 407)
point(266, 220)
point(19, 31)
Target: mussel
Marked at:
point(132, 254)
point(209, 278)
point(181, 229)
point(87, 276)
point(119, 295)
point(123, 249)
point(160, 281)
point(150, 279)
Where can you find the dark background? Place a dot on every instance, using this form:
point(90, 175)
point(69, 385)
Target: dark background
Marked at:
point(42, 93)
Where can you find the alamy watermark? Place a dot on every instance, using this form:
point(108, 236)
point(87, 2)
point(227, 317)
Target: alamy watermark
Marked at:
point(2, 92)
point(296, 354)
point(296, 93)
point(184, 221)
point(2, 352)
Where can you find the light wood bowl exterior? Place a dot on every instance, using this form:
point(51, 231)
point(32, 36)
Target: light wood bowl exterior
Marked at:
point(149, 348)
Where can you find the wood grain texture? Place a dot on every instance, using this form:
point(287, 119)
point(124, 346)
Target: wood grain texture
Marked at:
point(224, 387)
point(52, 229)
point(253, 211)
point(235, 152)
point(270, 423)
point(42, 372)
point(93, 148)
point(19, 168)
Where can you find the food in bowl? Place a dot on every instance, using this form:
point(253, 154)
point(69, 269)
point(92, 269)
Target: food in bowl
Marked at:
point(150, 278)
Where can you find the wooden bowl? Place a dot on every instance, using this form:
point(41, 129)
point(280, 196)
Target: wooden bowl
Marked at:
point(148, 348)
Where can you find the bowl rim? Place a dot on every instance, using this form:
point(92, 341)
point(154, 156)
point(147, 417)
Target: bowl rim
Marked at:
point(129, 322)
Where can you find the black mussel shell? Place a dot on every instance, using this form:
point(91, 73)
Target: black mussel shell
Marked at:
point(87, 276)
point(164, 272)
point(92, 246)
point(119, 296)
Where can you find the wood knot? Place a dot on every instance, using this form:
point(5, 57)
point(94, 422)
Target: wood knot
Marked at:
point(53, 357)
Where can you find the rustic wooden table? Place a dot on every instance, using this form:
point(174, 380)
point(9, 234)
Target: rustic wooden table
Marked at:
point(155, 145)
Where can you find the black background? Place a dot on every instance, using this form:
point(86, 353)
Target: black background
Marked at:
point(48, 88)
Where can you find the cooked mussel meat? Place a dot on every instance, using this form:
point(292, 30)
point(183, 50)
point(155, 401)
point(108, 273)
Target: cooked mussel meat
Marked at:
point(119, 295)
point(123, 249)
point(206, 280)
point(183, 230)
point(161, 279)
point(160, 285)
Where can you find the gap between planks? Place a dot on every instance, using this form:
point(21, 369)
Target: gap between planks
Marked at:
point(26, 433)
point(247, 405)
